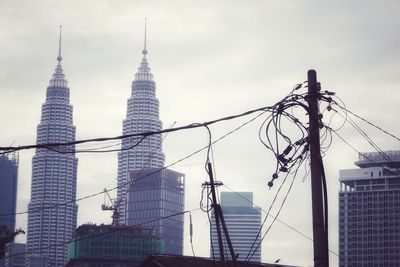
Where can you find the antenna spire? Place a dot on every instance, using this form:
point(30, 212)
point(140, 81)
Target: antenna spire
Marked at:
point(145, 37)
point(59, 58)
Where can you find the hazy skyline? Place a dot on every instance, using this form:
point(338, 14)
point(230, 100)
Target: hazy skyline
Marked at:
point(209, 59)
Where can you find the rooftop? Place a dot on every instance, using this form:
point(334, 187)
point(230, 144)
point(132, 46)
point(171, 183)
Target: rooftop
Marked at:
point(389, 158)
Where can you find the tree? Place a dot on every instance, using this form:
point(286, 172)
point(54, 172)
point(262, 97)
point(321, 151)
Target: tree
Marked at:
point(7, 236)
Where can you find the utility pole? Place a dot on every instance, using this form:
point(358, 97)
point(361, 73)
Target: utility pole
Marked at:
point(320, 235)
point(219, 218)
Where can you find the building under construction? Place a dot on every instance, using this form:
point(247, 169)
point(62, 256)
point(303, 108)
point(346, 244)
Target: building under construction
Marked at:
point(114, 244)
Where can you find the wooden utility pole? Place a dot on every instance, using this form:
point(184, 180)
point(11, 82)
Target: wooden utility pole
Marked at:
point(320, 236)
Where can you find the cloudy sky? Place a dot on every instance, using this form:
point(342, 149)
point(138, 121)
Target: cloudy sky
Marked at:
point(209, 59)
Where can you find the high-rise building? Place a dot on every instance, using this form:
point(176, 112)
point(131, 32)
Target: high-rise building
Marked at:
point(54, 171)
point(243, 222)
point(142, 116)
point(369, 211)
point(8, 190)
point(161, 192)
point(154, 196)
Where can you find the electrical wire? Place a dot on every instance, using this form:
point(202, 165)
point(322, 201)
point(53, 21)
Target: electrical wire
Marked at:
point(143, 177)
point(100, 234)
point(249, 257)
point(368, 122)
point(191, 236)
point(143, 134)
point(276, 218)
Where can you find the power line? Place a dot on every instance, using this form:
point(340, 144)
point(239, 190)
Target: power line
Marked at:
point(248, 258)
point(102, 233)
point(370, 123)
point(143, 134)
point(276, 218)
point(140, 178)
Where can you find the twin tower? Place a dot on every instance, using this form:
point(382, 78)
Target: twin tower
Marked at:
point(147, 191)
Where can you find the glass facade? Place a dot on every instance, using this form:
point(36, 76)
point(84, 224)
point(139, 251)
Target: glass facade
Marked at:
point(155, 194)
point(8, 190)
point(369, 212)
point(243, 222)
point(53, 178)
point(114, 242)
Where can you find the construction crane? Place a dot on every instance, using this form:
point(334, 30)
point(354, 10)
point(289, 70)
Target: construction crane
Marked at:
point(114, 207)
point(114, 204)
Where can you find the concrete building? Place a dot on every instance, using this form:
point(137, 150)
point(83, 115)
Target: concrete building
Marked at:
point(243, 221)
point(8, 190)
point(369, 211)
point(54, 171)
point(112, 245)
point(160, 194)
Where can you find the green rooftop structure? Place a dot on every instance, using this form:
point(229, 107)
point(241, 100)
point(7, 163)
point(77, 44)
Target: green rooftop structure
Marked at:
point(110, 243)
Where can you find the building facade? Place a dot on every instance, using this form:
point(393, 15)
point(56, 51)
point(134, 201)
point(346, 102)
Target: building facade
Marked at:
point(369, 211)
point(8, 190)
point(154, 196)
point(161, 192)
point(112, 245)
point(54, 171)
point(142, 116)
point(15, 255)
point(243, 222)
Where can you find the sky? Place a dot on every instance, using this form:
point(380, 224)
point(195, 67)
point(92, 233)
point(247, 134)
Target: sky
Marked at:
point(209, 59)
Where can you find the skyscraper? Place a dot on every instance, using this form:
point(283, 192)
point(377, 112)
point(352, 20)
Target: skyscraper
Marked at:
point(369, 211)
point(54, 173)
point(243, 222)
point(142, 116)
point(8, 190)
point(155, 192)
point(155, 195)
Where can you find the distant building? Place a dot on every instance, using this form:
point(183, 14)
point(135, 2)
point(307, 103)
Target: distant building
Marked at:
point(156, 194)
point(161, 193)
point(8, 190)
point(369, 211)
point(243, 221)
point(54, 172)
point(15, 255)
point(142, 116)
point(110, 245)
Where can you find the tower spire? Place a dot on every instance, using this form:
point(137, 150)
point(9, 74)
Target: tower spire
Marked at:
point(59, 58)
point(145, 37)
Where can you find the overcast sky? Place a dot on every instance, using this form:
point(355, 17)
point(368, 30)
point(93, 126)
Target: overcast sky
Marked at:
point(209, 59)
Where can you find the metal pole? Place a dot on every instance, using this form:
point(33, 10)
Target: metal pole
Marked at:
point(319, 235)
point(228, 239)
point(216, 213)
